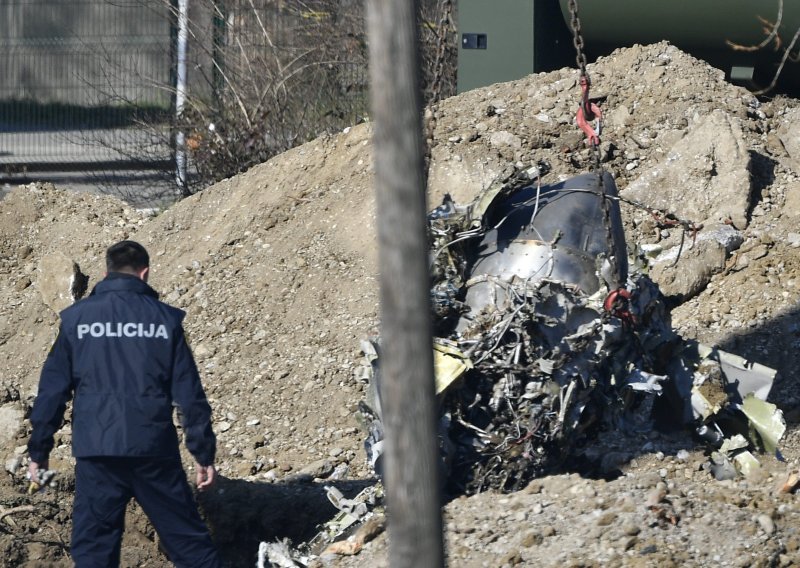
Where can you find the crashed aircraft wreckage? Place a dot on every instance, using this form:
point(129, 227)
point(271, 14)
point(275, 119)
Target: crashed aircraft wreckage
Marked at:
point(543, 337)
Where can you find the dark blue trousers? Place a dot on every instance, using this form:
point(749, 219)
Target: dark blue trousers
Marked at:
point(103, 488)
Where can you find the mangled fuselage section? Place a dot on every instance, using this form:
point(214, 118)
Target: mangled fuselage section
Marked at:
point(543, 338)
point(545, 233)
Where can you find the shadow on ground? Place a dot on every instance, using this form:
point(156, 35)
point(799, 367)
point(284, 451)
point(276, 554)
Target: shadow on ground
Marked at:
point(241, 514)
point(775, 344)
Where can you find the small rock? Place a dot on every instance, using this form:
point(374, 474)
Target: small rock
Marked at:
point(202, 350)
point(628, 542)
point(12, 464)
point(548, 531)
point(534, 487)
point(606, 518)
point(505, 138)
point(340, 472)
point(245, 469)
point(766, 523)
point(22, 283)
point(60, 281)
point(511, 558)
point(742, 262)
point(657, 495)
point(24, 252)
point(758, 251)
point(36, 551)
point(630, 528)
point(319, 468)
point(11, 419)
point(531, 539)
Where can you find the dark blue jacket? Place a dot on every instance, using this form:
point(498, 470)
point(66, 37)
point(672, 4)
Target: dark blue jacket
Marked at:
point(122, 356)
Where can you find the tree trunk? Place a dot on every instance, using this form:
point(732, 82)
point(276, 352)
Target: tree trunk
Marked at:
point(407, 385)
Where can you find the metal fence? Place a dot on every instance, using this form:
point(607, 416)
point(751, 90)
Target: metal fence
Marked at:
point(79, 77)
point(89, 85)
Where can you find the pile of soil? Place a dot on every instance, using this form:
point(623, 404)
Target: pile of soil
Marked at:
point(277, 269)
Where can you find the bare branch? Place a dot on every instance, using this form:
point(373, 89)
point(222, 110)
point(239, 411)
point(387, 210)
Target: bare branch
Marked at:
point(786, 54)
point(266, 36)
point(772, 35)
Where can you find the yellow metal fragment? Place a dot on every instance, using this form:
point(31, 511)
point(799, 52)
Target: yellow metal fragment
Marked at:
point(449, 363)
point(766, 420)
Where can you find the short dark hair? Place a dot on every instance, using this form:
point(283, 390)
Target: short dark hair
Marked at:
point(126, 256)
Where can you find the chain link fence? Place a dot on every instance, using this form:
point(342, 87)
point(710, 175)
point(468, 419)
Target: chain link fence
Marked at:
point(89, 85)
point(79, 78)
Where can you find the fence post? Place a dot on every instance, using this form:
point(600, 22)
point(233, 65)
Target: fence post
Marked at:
point(407, 385)
point(180, 96)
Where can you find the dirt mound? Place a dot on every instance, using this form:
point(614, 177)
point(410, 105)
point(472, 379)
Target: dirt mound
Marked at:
point(277, 271)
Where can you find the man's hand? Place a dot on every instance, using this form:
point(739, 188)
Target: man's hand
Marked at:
point(206, 475)
point(35, 470)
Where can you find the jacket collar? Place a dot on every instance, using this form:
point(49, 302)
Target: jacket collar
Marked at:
point(121, 282)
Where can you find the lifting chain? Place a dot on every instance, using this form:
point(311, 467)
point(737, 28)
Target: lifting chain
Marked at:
point(577, 39)
point(589, 111)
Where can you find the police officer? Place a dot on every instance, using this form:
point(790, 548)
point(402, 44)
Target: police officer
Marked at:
point(122, 356)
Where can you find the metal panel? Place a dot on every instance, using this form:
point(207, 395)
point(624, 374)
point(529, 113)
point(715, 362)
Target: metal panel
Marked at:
point(504, 40)
point(507, 28)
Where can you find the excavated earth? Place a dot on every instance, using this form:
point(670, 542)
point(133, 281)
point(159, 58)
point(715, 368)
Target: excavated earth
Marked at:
point(276, 269)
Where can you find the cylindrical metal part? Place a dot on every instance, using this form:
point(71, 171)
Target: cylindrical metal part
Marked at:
point(710, 435)
point(555, 232)
point(702, 29)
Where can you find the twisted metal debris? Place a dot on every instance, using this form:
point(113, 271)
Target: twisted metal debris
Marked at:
point(537, 349)
point(547, 365)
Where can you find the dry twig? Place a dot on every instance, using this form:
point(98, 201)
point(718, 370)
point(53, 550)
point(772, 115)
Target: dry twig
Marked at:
point(773, 35)
point(771, 30)
point(15, 510)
